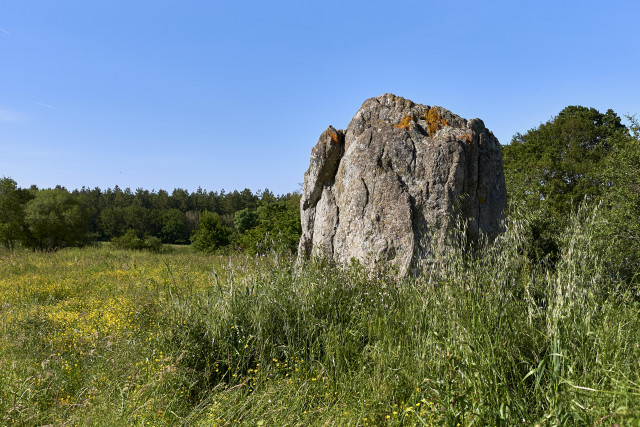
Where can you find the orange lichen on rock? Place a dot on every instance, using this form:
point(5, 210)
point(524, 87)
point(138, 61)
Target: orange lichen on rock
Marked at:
point(405, 122)
point(334, 136)
point(467, 138)
point(434, 121)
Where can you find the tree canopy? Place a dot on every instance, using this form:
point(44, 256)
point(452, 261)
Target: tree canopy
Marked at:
point(211, 234)
point(12, 201)
point(54, 219)
point(559, 164)
point(579, 157)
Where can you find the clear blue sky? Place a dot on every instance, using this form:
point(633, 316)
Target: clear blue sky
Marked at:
point(234, 94)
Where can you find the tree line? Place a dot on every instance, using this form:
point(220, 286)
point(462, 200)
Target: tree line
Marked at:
point(49, 219)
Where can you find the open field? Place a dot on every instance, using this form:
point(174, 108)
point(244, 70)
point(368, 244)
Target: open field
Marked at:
point(98, 336)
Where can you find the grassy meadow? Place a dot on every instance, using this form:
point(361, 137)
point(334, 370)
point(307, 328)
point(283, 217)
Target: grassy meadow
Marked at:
point(99, 336)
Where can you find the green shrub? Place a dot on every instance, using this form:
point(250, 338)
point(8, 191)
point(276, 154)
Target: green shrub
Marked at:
point(276, 228)
point(153, 243)
point(244, 220)
point(211, 234)
point(130, 240)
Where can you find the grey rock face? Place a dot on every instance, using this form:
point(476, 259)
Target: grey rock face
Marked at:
point(397, 177)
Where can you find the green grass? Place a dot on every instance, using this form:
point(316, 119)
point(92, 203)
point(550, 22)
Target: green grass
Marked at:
point(105, 337)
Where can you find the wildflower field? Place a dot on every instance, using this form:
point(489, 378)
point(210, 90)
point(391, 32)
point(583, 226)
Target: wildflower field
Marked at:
point(99, 336)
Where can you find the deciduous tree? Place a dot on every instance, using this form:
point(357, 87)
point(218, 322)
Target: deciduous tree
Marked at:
point(211, 234)
point(12, 202)
point(54, 219)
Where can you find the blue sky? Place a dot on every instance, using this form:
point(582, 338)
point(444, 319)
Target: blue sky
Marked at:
point(233, 95)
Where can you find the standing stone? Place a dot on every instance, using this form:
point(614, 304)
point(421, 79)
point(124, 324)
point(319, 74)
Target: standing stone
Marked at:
point(398, 176)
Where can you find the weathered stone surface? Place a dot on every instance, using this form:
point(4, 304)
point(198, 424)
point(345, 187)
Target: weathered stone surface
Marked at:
point(398, 176)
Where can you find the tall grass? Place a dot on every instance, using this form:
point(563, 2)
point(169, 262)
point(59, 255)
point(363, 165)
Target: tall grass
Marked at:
point(487, 339)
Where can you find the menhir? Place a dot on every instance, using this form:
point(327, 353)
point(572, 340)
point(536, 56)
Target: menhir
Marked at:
point(399, 175)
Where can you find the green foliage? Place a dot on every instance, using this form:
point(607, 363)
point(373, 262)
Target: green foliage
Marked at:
point(277, 228)
point(111, 213)
point(54, 219)
point(552, 169)
point(619, 232)
point(153, 243)
point(267, 197)
point(558, 165)
point(244, 220)
point(175, 228)
point(130, 240)
point(114, 211)
point(12, 202)
point(211, 234)
point(114, 221)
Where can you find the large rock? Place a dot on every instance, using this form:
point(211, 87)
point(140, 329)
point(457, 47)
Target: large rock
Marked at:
point(399, 175)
